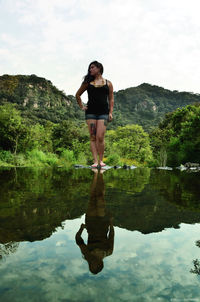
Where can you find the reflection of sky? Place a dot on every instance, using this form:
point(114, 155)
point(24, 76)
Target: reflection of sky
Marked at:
point(153, 267)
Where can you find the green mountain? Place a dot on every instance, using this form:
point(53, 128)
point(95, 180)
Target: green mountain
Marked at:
point(39, 100)
point(147, 104)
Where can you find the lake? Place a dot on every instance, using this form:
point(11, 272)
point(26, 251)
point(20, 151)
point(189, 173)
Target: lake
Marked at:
point(109, 235)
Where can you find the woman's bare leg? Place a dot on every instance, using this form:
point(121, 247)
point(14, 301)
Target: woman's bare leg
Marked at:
point(100, 132)
point(92, 126)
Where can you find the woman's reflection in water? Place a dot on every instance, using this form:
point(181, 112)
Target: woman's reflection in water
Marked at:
point(99, 226)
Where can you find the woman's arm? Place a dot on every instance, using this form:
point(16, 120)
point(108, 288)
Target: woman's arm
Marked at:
point(78, 237)
point(78, 95)
point(80, 242)
point(111, 100)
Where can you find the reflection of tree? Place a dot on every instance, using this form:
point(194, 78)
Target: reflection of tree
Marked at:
point(99, 226)
point(196, 262)
point(198, 243)
point(179, 188)
point(196, 269)
point(37, 201)
point(129, 181)
point(8, 248)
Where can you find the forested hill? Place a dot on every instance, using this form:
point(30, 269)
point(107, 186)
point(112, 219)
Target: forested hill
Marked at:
point(39, 100)
point(147, 104)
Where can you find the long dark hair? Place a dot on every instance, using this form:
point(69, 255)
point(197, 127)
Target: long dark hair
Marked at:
point(88, 77)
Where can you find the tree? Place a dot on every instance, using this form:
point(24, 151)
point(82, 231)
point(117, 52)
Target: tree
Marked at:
point(68, 134)
point(13, 132)
point(179, 134)
point(41, 137)
point(130, 142)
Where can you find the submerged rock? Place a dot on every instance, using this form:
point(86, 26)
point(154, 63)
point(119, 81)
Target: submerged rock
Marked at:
point(133, 167)
point(182, 168)
point(79, 166)
point(105, 167)
point(192, 165)
point(126, 167)
point(165, 168)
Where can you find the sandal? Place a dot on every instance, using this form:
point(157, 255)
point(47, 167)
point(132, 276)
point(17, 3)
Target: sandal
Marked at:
point(94, 165)
point(102, 165)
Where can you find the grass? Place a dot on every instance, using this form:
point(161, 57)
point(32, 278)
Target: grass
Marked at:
point(66, 159)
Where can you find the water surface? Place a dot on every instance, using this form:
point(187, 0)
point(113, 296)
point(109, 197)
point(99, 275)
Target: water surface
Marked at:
point(121, 235)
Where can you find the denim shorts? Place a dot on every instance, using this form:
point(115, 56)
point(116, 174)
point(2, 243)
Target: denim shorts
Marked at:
point(96, 116)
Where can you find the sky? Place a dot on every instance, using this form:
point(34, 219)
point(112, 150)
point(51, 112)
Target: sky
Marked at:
point(137, 41)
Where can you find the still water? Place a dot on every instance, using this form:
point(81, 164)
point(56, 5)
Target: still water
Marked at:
point(119, 235)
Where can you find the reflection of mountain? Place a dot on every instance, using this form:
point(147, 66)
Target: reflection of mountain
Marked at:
point(35, 202)
point(148, 212)
point(169, 199)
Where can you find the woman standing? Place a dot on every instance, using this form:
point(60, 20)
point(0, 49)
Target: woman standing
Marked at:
point(98, 110)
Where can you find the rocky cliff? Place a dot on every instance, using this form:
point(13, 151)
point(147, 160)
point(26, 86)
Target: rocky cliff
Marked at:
point(38, 99)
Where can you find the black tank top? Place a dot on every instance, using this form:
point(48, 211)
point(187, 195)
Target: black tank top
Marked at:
point(97, 99)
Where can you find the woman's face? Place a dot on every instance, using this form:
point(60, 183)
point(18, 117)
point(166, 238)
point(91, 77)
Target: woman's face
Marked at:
point(94, 70)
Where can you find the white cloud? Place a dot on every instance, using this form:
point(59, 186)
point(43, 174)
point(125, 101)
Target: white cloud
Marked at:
point(146, 267)
point(137, 41)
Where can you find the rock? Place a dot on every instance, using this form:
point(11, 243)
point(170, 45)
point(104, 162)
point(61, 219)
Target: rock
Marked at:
point(126, 167)
point(165, 168)
point(79, 166)
point(106, 168)
point(76, 166)
point(133, 167)
point(182, 168)
point(192, 165)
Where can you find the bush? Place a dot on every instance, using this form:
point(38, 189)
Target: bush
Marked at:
point(113, 159)
point(68, 155)
point(67, 158)
point(6, 156)
point(129, 142)
point(82, 159)
point(178, 136)
point(37, 157)
point(19, 160)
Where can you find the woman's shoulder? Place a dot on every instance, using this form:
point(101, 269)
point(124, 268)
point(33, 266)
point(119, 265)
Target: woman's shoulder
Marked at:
point(84, 86)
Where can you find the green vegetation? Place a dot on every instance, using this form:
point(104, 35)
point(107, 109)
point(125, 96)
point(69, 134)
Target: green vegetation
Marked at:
point(66, 143)
point(146, 105)
point(37, 99)
point(36, 201)
point(40, 101)
point(177, 139)
point(41, 126)
point(130, 142)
